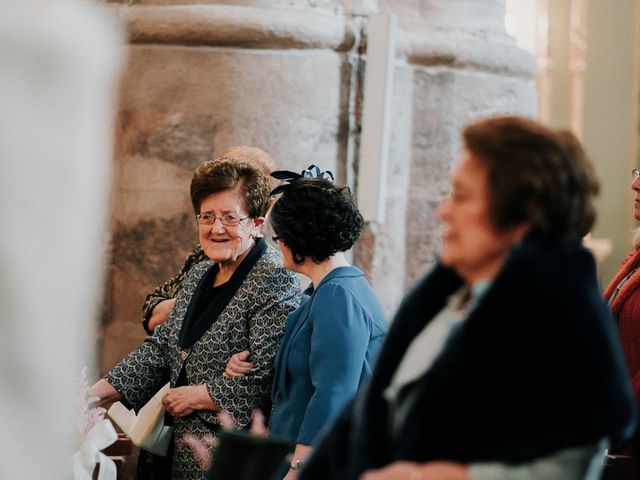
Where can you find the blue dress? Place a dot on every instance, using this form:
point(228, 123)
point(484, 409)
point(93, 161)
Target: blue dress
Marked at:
point(328, 350)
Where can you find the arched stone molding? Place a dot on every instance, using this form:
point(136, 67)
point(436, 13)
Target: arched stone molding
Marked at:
point(438, 49)
point(236, 26)
point(317, 5)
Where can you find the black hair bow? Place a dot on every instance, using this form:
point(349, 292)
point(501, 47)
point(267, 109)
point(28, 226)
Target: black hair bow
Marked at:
point(312, 171)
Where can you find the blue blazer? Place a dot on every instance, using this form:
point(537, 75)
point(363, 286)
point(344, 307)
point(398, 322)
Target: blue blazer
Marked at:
point(329, 346)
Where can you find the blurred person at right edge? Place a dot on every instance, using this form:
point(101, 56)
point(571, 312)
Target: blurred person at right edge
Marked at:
point(623, 296)
point(503, 363)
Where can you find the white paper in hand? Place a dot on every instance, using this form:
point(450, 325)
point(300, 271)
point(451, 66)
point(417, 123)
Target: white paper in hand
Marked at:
point(147, 429)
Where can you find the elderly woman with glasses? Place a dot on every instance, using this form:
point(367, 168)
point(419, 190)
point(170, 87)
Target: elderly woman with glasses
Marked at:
point(623, 296)
point(332, 340)
point(237, 301)
point(159, 303)
point(503, 362)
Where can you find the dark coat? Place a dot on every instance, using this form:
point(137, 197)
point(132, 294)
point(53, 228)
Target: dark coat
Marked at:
point(535, 368)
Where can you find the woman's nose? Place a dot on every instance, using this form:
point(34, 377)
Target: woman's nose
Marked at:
point(635, 184)
point(217, 225)
point(443, 208)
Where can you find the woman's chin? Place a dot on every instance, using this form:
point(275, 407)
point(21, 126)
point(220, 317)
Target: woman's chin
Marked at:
point(446, 258)
point(219, 255)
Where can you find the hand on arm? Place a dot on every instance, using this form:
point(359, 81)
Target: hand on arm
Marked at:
point(574, 462)
point(242, 393)
point(238, 366)
point(182, 401)
point(160, 313)
point(168, 291)
point(419, 471)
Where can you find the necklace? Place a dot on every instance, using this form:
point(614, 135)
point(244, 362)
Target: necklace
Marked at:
point(621, 284)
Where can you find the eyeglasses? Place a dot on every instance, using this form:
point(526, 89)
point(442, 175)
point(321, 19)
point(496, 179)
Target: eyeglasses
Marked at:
point(635, 173)
point(228, 219)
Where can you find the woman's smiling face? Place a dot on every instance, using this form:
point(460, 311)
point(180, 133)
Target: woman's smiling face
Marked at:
point(225, 243)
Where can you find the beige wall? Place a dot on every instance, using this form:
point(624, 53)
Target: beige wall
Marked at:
point(587, 54)
point(611, 116)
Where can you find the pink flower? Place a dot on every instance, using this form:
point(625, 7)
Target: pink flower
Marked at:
point(258, 424)
point(86, 418)
point(201, 448)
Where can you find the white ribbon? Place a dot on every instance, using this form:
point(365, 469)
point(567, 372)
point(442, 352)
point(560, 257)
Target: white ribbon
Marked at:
point(88, 455)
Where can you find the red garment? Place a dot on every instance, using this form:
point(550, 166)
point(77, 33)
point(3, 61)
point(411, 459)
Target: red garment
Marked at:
point(626, 309)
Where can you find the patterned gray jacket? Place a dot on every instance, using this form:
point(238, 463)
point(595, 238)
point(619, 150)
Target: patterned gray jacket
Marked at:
point(254, 320)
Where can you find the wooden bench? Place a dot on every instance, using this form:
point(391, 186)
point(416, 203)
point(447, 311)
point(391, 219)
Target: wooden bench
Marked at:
point(118, 452)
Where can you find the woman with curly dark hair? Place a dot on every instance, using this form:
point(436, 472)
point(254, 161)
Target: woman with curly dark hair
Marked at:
point(333, 338)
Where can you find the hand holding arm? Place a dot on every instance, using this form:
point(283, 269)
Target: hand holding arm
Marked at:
point(574, 462)
point(419, 471)
point(182, 401)
point(160, 313)
point(170, 288)
point(238, 366)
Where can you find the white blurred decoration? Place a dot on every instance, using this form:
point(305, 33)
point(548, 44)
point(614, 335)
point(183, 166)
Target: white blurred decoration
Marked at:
point(521, 22)
point(600, 247)
point(59, 62)
point(528, 22)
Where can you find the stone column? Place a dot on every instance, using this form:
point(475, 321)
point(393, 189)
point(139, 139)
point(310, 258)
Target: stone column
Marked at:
point(455, 63)
point(200, 79)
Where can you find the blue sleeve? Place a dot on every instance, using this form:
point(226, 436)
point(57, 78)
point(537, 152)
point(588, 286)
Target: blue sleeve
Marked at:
point(339, 340)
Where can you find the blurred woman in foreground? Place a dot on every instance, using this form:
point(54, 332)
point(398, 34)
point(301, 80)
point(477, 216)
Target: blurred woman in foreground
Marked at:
point(502, 362)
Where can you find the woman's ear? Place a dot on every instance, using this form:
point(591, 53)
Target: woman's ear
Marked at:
point(257, 223)
point(255, 227)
